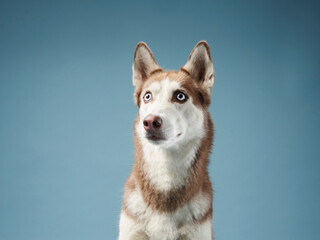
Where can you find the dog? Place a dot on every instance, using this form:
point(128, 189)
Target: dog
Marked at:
point(168, 195)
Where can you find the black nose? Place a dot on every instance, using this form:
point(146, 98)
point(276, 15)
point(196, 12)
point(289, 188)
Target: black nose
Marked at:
point(152, 122)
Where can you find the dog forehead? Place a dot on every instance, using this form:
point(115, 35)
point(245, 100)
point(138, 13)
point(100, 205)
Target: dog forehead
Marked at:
point(164, 86)
point(174, 76)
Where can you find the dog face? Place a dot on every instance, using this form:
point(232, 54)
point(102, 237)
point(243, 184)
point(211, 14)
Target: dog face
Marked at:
point(172, 105)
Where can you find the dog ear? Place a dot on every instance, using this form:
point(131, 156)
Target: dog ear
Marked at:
point(200, 66)
point(144, 64)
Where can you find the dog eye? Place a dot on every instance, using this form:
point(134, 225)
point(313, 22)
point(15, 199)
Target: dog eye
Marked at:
point(181, 97)
point(147, 97)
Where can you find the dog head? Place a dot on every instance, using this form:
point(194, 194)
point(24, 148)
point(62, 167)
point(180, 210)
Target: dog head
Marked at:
point(172, 104)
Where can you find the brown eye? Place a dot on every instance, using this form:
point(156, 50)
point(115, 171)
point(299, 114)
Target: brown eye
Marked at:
point(147, 97)
point(181, 97)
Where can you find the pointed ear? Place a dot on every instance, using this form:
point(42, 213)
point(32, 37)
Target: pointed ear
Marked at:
point(144, 64)
point(200, 66)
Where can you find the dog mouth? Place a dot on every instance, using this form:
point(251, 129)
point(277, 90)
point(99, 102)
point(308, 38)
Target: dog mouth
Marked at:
point(155, 137)
point(158, 137)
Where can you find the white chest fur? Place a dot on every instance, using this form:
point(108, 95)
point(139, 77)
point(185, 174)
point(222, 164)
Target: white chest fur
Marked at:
point(170, 225)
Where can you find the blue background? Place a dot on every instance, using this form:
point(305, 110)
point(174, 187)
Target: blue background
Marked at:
point(66, 112)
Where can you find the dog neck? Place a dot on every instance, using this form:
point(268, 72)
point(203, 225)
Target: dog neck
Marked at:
point(166, 168)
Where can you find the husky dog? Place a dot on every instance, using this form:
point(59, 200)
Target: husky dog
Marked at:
point(168, 195)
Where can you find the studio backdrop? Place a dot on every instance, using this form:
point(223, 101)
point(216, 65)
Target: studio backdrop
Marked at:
point(67, 112)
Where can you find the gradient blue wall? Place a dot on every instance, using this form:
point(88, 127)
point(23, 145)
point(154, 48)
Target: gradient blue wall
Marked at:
point(66, 112)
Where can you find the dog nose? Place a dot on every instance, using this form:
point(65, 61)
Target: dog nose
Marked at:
point(152, 122)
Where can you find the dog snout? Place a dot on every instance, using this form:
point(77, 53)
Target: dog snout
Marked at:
point(152, 123)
